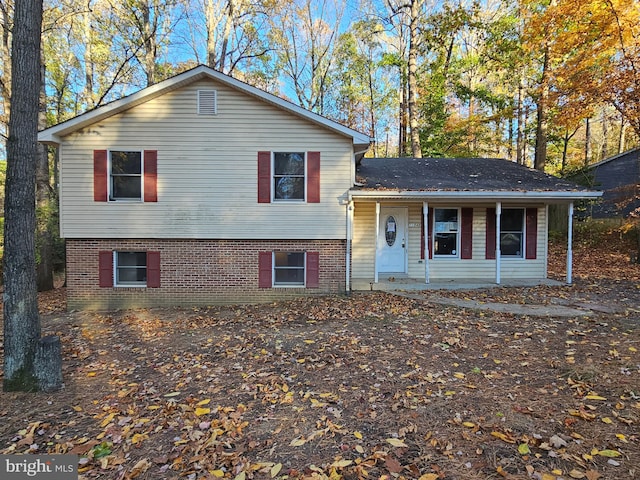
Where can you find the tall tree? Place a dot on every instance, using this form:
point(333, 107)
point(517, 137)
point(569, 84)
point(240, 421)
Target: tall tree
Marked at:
point(306, 33)
point(412, 81)
point(144, 27)
point(590, 55)
point(361, 93)
point(404, 17)
point(44, 203)
point(21, 317)
point(6, 26)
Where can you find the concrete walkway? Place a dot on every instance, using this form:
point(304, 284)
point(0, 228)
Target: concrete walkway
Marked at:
point(532, 310)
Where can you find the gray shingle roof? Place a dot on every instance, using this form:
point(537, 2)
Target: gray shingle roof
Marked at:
point(456, 174)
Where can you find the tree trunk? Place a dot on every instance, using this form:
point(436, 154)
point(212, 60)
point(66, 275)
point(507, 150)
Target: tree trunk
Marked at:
point(402, 114)
point(211, 33)
point(226, 35)
point(44, 240)
point(414, 131)
point(540, 158)
point(565, 148)
point(621, 137)
point(587, 142)
point(88, 93)
point(48, 363)
point(149, 32)
point(521, 125)
point(604, 150)
point(5, 79)
point(21, 318)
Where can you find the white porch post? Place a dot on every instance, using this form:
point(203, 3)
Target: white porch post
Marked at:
point(425, 222)
point(349, 240)
point(375, 250)
point(570, 244)
point(498, 214)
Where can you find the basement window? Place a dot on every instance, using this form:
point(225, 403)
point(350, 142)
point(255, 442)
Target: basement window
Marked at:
point(130, 269)
point(288, 268)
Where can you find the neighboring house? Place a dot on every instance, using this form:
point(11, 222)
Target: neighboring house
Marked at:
point(202, 190)
point(618, 177)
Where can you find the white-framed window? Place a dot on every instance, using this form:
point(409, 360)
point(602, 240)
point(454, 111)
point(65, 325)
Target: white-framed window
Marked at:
point(512, 232)
point(289, 174)
point(125, 175)
point(130, 269)
point(446, 232)
point(289, 268)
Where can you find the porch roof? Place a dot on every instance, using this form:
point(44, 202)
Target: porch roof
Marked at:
point(472, 178)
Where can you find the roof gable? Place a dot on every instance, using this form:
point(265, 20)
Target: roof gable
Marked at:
point(54, 134)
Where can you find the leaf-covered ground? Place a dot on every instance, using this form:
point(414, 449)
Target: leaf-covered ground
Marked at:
point(370, 386)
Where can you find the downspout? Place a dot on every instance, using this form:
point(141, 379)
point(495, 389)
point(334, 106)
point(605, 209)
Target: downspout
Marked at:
point(570, 245)
point(425, 222)
point(375, 250)
point(349, 239)
point(498, 267)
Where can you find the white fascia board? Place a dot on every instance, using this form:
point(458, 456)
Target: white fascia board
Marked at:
point(54, 134)
point(473, 196)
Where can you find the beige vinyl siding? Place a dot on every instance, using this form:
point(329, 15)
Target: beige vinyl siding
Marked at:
point(416, 265)
point(441, 269)
point(364, 240)
point(207, 171)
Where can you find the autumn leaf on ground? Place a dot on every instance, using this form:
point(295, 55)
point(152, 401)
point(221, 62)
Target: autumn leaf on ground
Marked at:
point(396, 442)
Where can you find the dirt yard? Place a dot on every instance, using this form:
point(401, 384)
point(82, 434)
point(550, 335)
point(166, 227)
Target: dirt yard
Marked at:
point(373, 386)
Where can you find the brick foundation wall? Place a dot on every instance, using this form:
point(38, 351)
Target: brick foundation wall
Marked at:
point(196, 272)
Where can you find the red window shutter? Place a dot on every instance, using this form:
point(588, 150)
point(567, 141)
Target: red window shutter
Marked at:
point(150, 175)
point(466, 240)
point(430, 233)
point(100, 175)
point(265, 270)
point(264, 178)
point(313, 269)
point(105, 268)
point(313, 177)
point(532, 233)
point(490, 249)
point(153, 269)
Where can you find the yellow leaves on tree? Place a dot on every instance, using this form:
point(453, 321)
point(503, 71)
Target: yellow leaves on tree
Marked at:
point(594, 54)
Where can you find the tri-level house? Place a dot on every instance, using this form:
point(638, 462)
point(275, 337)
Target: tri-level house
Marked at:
point(202, 189)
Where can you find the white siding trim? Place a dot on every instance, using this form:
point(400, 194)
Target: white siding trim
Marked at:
point(570, 245)
point(427, 240)
point(498, 252)
point(375, 250)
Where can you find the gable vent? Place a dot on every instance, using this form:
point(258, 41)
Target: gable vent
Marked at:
point(207, 102)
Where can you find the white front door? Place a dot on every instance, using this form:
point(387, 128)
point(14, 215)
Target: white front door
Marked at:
point(391, 251)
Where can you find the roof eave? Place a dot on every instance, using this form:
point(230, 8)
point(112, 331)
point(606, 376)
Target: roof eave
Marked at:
point(474, 195)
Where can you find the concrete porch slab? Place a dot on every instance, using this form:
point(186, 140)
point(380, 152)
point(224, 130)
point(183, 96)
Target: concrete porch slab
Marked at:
point(402, 283)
